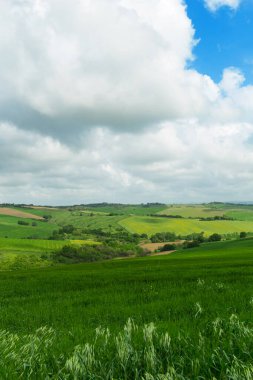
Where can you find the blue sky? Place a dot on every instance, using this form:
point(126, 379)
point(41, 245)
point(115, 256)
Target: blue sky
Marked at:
point(225, 38)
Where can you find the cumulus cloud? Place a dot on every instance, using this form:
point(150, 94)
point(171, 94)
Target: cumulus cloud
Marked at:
point(214, 5)
point(175, 161)
point(232, 80)
point(99, 102)
point(119, 63)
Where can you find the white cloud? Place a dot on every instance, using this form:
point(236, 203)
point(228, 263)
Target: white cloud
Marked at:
point(214, 5)
point(98, 103)
point(173, 162)
point(117, 63)
point(232, 80)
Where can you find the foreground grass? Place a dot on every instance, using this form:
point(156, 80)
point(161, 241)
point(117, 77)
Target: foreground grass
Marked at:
point(223, 350)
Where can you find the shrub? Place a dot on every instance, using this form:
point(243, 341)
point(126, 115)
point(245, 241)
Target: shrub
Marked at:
point(47, 217)
point(214, 237)
point(70, 254)
point(191, 244)
point(23, 223)
point(196, 236)
point(168, 247)
point(163, 236)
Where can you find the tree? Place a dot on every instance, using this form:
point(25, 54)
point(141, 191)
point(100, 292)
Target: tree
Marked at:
point(243, 235)
point(191, 244)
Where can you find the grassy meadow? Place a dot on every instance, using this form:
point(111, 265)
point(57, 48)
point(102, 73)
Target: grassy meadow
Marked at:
point(161, 289)
point(9, 228)
point(182, 292)
point(18, 254)
point(184, 315)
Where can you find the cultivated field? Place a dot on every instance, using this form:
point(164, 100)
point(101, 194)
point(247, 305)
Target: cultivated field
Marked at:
point(151, 225)
point(192, 211)
point(19, 214)
point(238, 212)
point(10, 228)
point(135, 219)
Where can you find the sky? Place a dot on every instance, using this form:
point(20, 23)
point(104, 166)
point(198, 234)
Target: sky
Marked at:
point(126, 101)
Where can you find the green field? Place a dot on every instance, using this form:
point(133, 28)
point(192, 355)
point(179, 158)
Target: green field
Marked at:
point(152, 225)
point(184, 292)
point(81, 220)
point(237, 212)
point(194, 307)
point(110, 292)
point(28, 253)
point(129, 209)
point(148, 289)
point(36, 245)
point(9, 228)
point(192, 211)
point(241, 214)
point(135, 219)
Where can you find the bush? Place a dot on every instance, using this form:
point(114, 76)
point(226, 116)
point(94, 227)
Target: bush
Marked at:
point(90, 253)
point(196, 236)
point(161, 237)
point(69, 229)
point(243, 235)
point(23, 223)
point(191, 244)
point(214, 237)
point(168, 247)
point(47, 217)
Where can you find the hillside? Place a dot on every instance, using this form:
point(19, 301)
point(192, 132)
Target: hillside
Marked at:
point(183, 292)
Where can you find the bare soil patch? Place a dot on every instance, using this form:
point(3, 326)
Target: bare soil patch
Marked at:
point(18, 214)
point(154, 246)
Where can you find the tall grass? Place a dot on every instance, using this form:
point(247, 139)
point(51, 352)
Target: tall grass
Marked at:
point(223, 350)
